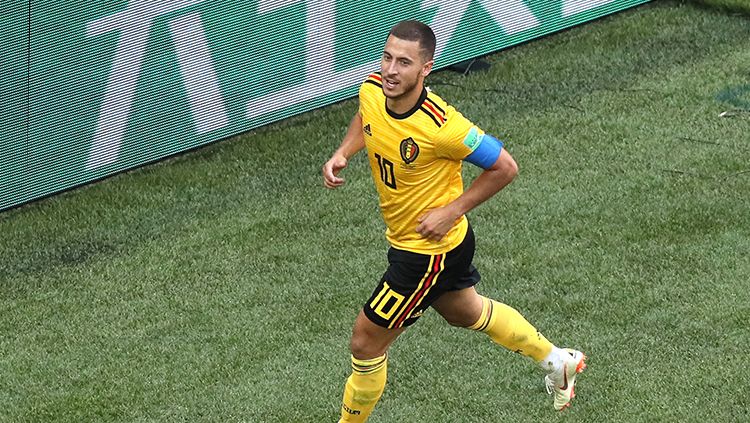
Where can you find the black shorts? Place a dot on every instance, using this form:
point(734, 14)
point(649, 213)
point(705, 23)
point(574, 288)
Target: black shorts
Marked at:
point(413, 281)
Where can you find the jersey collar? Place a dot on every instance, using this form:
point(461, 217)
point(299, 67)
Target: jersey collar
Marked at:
point(416, 107)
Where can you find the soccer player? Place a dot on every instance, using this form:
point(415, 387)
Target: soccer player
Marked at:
point(416, 143)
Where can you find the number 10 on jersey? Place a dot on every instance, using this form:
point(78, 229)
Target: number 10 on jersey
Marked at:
point(386, 171)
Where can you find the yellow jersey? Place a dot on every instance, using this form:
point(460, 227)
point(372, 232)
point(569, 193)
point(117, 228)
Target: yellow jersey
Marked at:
point(416, 160)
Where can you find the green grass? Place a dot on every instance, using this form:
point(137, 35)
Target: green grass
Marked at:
point(734, 6)
point(222, 285)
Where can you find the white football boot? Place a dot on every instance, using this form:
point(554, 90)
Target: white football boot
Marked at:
point(562, 381)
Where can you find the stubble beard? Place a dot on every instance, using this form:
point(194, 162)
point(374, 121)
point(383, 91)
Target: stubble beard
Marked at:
point(406, 90)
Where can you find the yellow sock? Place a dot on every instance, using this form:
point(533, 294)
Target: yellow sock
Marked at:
point(507, 327)
point(363, 388)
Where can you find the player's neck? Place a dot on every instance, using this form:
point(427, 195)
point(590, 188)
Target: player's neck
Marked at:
point(404, 103)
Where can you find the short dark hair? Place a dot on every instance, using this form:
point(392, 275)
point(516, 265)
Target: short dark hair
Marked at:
point(416, 31)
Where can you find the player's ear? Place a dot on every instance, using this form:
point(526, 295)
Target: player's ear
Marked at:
point(427, 67)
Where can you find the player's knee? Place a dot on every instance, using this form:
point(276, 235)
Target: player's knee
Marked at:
point(363, 347)
point(357, 345)
point(461, 317)
point(459, 321)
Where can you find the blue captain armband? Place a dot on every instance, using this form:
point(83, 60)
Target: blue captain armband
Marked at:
point(485, 149)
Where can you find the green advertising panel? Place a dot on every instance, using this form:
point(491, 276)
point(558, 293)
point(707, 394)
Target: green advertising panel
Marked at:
point(14, 30)
point(114, 85)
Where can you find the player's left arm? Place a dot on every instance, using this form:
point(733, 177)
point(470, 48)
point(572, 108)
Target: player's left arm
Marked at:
point(499, 170)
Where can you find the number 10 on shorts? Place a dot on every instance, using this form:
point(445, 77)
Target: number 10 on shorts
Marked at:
point(382, 304)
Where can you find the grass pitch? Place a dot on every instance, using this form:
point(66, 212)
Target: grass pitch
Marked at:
point(221, 285)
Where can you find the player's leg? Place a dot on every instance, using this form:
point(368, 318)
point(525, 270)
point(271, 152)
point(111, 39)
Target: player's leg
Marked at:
point(459, 303)
point(369, 346)
point(370, 340)
point(396, 303)
point(461, 308)
point(507, 327)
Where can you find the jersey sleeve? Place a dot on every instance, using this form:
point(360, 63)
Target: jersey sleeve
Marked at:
point(368, 93)
point(458, 137)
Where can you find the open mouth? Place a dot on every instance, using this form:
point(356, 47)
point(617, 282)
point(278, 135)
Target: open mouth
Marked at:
point(389, 83)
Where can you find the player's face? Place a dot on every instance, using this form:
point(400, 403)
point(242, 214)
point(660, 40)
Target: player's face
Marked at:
point(403, 68)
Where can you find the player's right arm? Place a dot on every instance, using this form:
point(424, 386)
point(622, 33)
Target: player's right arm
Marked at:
point(354, 141)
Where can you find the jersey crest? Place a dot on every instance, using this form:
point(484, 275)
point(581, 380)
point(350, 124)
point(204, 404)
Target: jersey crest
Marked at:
point(409, 150)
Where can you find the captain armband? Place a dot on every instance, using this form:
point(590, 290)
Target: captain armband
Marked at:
point(485, 149)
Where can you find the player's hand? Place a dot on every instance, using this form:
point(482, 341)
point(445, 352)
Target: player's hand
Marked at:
point(331, 170)
point(436, 223)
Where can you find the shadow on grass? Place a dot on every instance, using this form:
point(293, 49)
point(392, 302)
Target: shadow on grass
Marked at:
point(733, 7)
